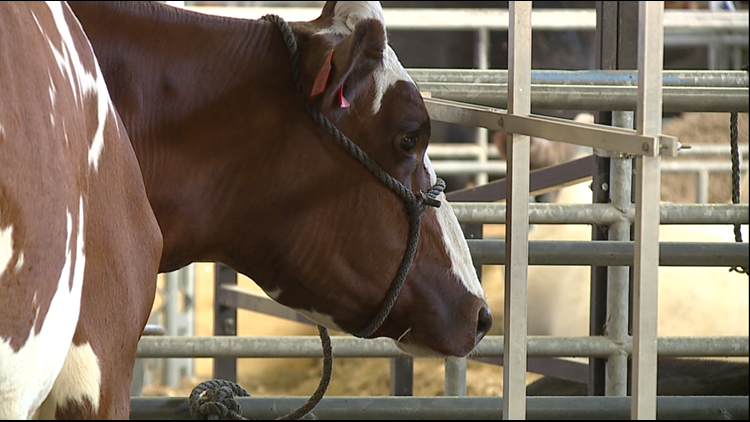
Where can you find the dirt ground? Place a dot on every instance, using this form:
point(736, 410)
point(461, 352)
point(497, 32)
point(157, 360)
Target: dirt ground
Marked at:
point(370, 377)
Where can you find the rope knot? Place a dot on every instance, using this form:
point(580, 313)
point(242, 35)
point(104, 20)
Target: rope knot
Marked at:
point(214, 400)
point(428, 198)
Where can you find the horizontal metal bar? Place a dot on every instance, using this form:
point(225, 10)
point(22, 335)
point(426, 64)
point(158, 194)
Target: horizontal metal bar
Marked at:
point(238, 297)
point(491, 346)
point(712, 149)
point(540, 181)
point(614, 253)
point(499, 168)
point(497, 18)
point(678, 78)
point(713, 166)
point(454, 407)
point(605, 214)
point(682, 38)
point(594, 97)
point(579, 133)
point(459, 151)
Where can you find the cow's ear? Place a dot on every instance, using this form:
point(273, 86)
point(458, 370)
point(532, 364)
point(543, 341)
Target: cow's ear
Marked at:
point(347, 67)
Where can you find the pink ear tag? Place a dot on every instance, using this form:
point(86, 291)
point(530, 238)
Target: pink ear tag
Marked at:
point(344, 103)
point(322, 79)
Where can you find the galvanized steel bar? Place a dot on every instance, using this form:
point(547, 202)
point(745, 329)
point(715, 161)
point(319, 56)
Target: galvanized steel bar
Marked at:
point(517, 230)
point(455, 377)
point(595, 136)
point(462, 151)
point(491, 346)
point(618, 277)
point(453, 408)
point(670, 78)
point(619, 253)
point(647, 196)
point(604, 214)
point(594, 97)
point(483, 58)
point(499, 168)
point(711, 26)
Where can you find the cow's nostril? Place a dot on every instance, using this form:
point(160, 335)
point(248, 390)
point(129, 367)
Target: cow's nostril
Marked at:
point(484, 322)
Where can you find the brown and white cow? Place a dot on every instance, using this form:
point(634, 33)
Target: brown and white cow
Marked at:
point(79, 243)
point(237, 171)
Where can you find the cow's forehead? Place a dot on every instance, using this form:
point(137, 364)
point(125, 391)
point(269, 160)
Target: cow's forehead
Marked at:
point(347, 15)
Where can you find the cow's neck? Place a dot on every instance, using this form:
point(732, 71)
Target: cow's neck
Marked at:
point(183, 88)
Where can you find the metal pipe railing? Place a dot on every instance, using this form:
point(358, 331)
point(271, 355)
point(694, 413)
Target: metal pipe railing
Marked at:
point(603, 214)
point(491, 346)
point(453, 408)
point(674, 78)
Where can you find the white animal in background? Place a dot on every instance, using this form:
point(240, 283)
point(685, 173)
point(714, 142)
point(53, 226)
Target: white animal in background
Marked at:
point(697, 301)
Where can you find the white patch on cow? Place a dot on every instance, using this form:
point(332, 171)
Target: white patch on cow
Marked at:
point(52, 90)
point(19, 262)
point(70, 64)
point(42, 356)
point(52, 96)
point(78, 383)
point(346, 16)
point(6, 248)
point(454, 240)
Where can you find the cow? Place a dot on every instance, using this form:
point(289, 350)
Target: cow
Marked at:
point(79, 242)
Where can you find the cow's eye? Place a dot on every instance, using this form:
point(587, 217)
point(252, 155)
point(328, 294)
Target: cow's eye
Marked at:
point(408, 143)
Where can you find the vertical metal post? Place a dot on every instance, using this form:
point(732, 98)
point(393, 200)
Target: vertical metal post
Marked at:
point(618, 280)
point(701, 187)
point(648, 181)
point(455, 377)
point(517, 226)
point(606, 58)
point(482, 53)
point(225, 322)
point(171, 323)
point(402, 376)
point(616, 48)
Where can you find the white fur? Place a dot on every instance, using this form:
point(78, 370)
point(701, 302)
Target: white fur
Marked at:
point(52, 96)
point(41, 358)
point(454, 241)
point(6, 247)
point(79, 379)
point(87, 83)
point(347, 15)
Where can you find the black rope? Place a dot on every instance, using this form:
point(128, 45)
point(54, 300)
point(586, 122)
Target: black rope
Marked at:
point(735, 156)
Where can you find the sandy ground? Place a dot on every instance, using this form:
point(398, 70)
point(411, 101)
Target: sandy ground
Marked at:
point(370, 377)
